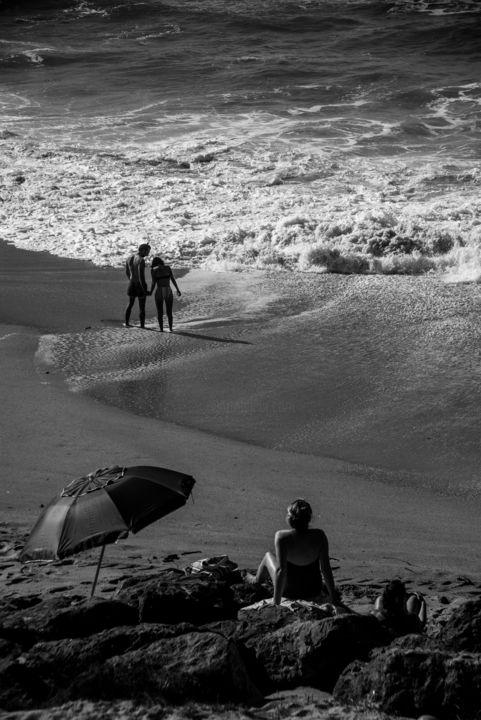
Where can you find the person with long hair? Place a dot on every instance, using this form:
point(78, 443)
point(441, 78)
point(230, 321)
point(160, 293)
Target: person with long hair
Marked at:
point(401, 612)
point(300, 569)
point(162, 276)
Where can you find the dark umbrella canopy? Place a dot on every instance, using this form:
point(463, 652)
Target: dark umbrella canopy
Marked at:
point(102, 507)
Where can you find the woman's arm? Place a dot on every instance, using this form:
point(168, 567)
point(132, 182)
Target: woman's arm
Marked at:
point(327, 570)
point(154, 282)
point(175, 283)
point(280, 574)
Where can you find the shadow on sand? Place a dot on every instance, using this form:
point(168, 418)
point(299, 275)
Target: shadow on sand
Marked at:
point(199, 336)
point(211, 337)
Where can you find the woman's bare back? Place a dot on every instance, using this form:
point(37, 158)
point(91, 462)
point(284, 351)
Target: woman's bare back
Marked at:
point(301, 548)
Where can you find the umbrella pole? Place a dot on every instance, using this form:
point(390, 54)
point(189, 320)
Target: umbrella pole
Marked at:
point(97, 571)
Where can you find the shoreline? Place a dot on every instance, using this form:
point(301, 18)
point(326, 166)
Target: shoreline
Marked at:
point(375, 529)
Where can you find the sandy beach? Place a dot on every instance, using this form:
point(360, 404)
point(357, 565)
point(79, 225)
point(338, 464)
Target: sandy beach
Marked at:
point(379, 527)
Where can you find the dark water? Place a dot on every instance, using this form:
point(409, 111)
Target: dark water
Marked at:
point(376, 77)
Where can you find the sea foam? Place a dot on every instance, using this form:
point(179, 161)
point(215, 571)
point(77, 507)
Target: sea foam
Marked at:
point(210, 204)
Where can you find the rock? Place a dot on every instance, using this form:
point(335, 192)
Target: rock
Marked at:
point(9, 650)
point(61, 617)
point(252, 625)
point(198, 666)
point(20, 602)
point(164, 662)
point(314, 652)
point(173, 598)
point(38, 676)
point(412, 682)
point(27, 625)
point(245, 594)
point(417, 642)
point(248, 632)
point(462, 630)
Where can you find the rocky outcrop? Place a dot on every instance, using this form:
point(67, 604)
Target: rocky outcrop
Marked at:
point(172, 663)
point(413, 677)
point(197, 666)
point(211, 647)
point(315, 652)
point(63, 618)
point(462, 629)
point(285, 648)
point(250, 629)
point(173, 597)
point(439, 674)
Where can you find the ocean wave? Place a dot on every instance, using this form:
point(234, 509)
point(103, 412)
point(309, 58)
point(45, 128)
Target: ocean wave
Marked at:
point(168, 29)
point(83, 8)
point(209, 204)
point(437, 8)
point(33, 56)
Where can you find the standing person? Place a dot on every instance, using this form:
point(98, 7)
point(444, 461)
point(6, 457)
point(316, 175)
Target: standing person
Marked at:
point(162, 276)
point(135, 271)
point(301, 561)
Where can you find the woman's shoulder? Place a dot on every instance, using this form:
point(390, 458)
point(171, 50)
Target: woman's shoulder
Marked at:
point(283, 535)
point(317, 532)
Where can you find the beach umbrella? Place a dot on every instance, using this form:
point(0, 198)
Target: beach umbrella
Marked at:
point(102, 507)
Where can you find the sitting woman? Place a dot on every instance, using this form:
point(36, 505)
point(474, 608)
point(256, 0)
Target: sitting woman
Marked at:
point(400, 612)
point(302, 554)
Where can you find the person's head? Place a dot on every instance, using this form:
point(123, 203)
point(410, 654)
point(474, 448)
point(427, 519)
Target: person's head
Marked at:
point(394, 597)
point(156, 261)
point(299, 514)
point(144, 249)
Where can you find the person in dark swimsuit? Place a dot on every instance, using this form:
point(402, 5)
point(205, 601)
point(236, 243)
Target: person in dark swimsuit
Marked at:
point(135, 271)
point(300, 568)
point(162, 276)
point(400, 612)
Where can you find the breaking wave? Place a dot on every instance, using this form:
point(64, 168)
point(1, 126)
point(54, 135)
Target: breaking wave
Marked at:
point(211, 205)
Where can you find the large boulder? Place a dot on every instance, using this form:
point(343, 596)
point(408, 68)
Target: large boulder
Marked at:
point(252, 625)
point(462, 629)
point(62, 617)
point(129, 662)
point(412, 681)
point(35, 677)
point(173, 597)
point(313, 652)
point(198, 666)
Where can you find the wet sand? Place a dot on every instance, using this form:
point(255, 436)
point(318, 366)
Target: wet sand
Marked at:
point(377, 529)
